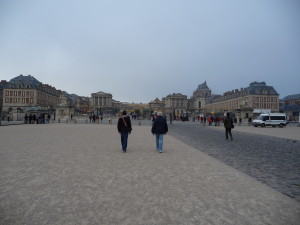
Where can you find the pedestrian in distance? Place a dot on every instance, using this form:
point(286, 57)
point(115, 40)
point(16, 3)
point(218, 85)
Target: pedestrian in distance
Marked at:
point(159, 128)
point(228, 124)
point(124, 129)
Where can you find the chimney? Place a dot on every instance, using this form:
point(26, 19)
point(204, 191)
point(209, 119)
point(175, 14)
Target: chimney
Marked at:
point(4, 82)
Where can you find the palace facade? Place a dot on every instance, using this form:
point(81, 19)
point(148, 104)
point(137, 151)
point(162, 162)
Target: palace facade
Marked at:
point(101, 102)
point(24, 92)
point(198, 100)
point(246, 102)
point(176, 103)
point(157, 105)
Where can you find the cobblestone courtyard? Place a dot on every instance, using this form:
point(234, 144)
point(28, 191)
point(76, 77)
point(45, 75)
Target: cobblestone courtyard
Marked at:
point(77, 174)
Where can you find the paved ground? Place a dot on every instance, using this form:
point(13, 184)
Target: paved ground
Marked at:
point(272, 160)
point(77, 174)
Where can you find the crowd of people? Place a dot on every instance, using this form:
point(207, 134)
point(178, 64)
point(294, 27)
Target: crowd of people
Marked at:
point(37, 118)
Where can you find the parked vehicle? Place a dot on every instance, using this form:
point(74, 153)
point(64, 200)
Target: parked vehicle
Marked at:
point(270, 119)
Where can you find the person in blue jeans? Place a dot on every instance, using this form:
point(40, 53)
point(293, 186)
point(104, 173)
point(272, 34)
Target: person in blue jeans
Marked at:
point(124, 128)
point(159, 128)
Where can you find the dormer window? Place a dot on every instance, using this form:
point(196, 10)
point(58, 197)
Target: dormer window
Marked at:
point(20, 85)
point(12, 85)
point(27, 86)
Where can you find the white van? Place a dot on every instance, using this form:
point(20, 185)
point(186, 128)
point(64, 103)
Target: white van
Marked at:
point(270, 119)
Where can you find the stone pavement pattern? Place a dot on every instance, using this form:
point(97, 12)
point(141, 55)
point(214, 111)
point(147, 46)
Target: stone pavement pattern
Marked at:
point(272, 160)
point(77, 174)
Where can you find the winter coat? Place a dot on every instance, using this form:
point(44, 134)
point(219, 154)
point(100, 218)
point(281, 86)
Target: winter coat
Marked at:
point(228, 122)
point(160, 126)
point(121, 125)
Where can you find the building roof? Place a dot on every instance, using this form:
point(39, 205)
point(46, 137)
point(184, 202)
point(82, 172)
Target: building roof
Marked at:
point(24, 80)
point(260, 88)
point(292, 97)
point(176, 95)
point(156, 101)
point(101, 93)
point(202, 86)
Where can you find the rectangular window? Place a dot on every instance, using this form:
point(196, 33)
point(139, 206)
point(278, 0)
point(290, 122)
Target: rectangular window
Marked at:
point(27, 100)
point(15, 100)
point(11, 93)
point(6, 100)
point(23, 93)
point(31, 93)
point(19, 93)
point(271, 99)
point(15, 93)
point(27, 93)
point(19, 100)
point(10, 100)
point(261, 99)
point(268, 105)
point(6, 93)
point(268, 99)
point(275, 99)
point(31, 101)
point(23, 100)
point(265, 99)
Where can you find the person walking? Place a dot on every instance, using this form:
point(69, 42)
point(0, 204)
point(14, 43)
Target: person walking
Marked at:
point(228, 124)
point(124, 128)
point(159, 128)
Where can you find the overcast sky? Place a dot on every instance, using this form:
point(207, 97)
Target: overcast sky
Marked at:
point(138, 50)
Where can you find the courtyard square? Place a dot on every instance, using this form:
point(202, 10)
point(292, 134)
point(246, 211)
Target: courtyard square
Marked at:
point(77, 174)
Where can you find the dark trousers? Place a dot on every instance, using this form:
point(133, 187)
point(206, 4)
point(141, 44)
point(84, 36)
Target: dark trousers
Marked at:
point(124, 140)
point(228, 130)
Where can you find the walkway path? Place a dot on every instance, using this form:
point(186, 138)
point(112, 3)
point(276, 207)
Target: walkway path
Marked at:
point(77, 174)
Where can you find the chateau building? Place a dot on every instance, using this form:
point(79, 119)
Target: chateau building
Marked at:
point(157, 105)
point(176, 103)
point(101, 102)
point(200, 95)
point(246, 102)
point(81, 104)
point(291, 106)
point(24, 92)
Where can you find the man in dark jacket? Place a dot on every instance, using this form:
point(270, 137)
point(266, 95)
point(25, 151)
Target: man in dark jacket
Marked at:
point(159, 128)
point(124, 128)
point(228, 124)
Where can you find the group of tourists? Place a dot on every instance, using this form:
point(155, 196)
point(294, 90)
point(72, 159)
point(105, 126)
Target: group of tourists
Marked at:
point(37, 118)
point(159, 129)
point(94, 118)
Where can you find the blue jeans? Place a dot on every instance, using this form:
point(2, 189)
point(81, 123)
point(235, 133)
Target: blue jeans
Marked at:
point(124, 140)
point(159, 141)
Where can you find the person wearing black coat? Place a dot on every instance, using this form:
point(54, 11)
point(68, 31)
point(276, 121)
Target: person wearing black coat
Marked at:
point(228, 124)
point(124, 128)
point(159, 128)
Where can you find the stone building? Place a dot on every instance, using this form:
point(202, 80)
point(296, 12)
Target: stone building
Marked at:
point(200, 95)
point(101, 103)
point(157, 105)
point(291, 107)
point(245, 102)
point(24, 92)
point(81, 104)
point(176, 103)
point(2, 84)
